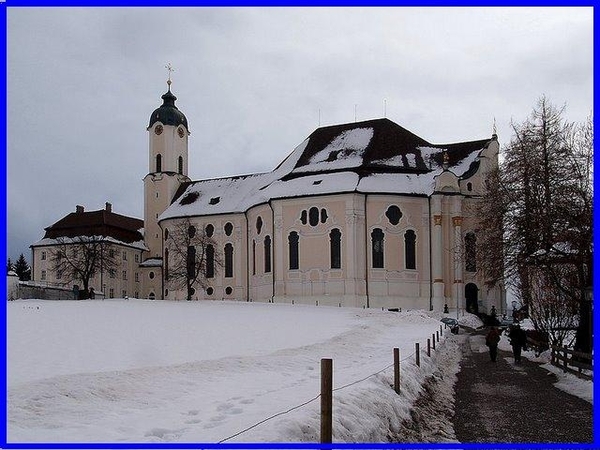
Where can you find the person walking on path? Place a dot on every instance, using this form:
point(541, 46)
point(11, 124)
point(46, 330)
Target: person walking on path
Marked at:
point(518, 341)
point(491, 340)
point(514, 403)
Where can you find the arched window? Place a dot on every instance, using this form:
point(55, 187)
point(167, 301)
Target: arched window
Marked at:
point(210, 261)
point(253, 257)
point(410, 250)
point(159, 163)
point(470, 252)
point(267, 254)
point(228, 228)
point(166, 264)
point(377, 248)
point(209, 230)
point(228, 261)
point(180, 165)
point(335, 241)
point(293, 239)
point(191, 261)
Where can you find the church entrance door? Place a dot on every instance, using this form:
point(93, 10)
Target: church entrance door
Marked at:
point(471, 298)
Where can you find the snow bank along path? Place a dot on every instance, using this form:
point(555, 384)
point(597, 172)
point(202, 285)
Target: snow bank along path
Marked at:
point(158, 371)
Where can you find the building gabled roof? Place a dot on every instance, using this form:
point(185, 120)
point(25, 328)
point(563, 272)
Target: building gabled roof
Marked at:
point(375, 156)
point(103, 222)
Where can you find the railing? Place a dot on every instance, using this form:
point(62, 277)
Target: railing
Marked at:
point(576, 364)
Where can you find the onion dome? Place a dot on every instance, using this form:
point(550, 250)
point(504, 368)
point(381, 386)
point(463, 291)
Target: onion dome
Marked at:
point(167, 113)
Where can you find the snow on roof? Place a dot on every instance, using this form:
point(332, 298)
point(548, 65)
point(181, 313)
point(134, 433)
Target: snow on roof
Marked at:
point(376, 156)
point(140, 245)
point(152, 262)
point(343, 152)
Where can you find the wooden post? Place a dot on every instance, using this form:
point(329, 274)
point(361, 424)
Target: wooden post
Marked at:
point(429, 346)
point(441, 330)
point(566, 358)
point(326, 400)
point(397, 370)
point(437, 335)
point(417, 355)
point(433, 338)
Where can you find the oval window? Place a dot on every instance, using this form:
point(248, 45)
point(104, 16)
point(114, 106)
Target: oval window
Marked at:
point(209, 230)
point(313, 216)
point(228, 228)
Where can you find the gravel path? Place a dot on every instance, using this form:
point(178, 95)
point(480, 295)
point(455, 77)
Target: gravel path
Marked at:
point(504, 402)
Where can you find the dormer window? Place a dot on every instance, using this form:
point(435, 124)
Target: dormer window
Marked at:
point(214, 200)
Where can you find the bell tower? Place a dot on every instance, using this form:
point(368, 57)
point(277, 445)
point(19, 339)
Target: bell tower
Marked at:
point(167, 165)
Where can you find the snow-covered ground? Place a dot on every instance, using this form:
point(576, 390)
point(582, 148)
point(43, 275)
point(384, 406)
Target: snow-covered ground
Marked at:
point(157, 371)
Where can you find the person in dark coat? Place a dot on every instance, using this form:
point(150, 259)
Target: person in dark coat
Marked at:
point(493, 316)
point(491, 340)
point(518, 341)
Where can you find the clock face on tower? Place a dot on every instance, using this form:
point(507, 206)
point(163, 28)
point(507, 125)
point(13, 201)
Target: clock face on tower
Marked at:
point(180, 132)
point(158, 129)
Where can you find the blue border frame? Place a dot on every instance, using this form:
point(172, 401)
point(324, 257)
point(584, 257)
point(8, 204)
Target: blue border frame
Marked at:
point(4, 4)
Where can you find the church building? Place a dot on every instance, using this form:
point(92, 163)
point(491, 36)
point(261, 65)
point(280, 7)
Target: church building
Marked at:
point(363, 214)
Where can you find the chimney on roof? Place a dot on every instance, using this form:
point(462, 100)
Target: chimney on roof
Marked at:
point(108, 207)
point(78, 209)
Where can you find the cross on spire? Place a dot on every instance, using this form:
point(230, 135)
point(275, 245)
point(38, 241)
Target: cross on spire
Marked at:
point(170, 69)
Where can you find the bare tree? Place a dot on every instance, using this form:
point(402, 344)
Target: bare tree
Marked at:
point(80, 258)
point(552, 312)
point(541, 201)
point(190, 258)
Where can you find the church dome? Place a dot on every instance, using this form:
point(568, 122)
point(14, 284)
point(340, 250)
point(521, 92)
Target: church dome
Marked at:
point(167, 113)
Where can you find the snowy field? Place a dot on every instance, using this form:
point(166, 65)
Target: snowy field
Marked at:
point(139, 371)
point(154, 371)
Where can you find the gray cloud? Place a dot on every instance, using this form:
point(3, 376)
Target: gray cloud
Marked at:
point(82, 83)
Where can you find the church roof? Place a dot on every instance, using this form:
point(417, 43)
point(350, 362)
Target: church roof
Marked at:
point(168, 113)
point(97, 223)
point(375, 156)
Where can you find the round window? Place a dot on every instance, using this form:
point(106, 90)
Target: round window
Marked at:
point(209, 291)
point(228, 290)
point(151, 275)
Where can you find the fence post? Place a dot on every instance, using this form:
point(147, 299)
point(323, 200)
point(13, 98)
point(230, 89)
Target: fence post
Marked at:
point(326, 400)
point(429, 347)
point(441, 330)
point(566, 358)
point(397, 370)
point(437, 336)
point(433, 338)
point(417, 355)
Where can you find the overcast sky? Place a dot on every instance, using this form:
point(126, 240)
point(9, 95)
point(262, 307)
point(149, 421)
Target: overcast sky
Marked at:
point(254, 83)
